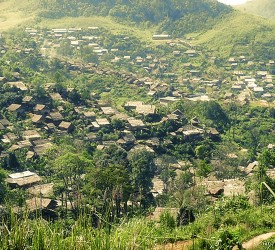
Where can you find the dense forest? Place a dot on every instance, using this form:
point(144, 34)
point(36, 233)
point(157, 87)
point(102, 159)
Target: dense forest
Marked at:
point(174, 16)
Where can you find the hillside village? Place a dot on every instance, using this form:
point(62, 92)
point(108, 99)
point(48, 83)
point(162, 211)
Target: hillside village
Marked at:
point(133, 124)
point(136, 125)
point(248, 78)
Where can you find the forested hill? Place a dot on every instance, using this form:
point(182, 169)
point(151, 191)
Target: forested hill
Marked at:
point(265, 8)
point(173, 16)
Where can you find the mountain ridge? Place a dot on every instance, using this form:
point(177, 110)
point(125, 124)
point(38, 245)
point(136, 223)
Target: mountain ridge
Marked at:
point(264, 8)
point(173, 16)
point(221, 31)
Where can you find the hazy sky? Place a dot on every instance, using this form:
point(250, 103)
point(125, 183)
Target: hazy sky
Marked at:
point(233, 2)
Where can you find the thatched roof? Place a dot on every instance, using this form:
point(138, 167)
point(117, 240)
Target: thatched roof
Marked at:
point(158, 186)
point(37, 118)
point(40, 203)
point(5, 122)
point(31, 135)
point(56, 97)
point(14, 107)
point(56, 116)
point(233, 187)
point(102, 122)
point(89, 114)
point(41, 146)
point(143, 148)
point(190, 130)
point(227, 187)
point(44, 190)
point(19, 85)
point(22, 179)
point(134, 123)
point(65, 125)
point(250, 167)
point(27, 99)
point(146, 109)
point(108, 110)
point(214, 188)
point(133, 104)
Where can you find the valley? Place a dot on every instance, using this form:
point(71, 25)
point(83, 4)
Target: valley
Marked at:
point(135, 126)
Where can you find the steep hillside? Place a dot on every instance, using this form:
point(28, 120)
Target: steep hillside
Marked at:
point(174, 16)
point(265, 8)
point(216, 25)
point(241, 33)
point(14, 13)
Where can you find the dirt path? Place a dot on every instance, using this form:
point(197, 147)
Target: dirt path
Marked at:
point(183, 245)
point(256, 241)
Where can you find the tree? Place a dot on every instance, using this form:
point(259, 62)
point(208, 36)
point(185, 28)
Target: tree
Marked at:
point(88, 55)
point(3, 187)
point(203, 151)
point(213, 111)
point(167, 174)
point(204, 168)
point(142, 168)
point(11, 162)
point(65, 49)
point(74, 97)
point(118, 124)
point(39, 92)
point(69, 168)
point(266, 161)
point(106, 187)
point(108, 183)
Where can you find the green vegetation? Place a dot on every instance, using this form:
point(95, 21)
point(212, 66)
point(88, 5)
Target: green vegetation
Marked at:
point(219, 27)
point(267, 244)
point(233, 219)
point(239, 33)
point(105, 22)
point(186, 17)
point(263, 8)
point(113, 140)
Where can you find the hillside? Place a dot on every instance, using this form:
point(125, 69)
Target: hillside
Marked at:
point(241, 33)
point(265, 8)
point(176, 17)
point(214, 24)
point(116, 135)
point(14, 13)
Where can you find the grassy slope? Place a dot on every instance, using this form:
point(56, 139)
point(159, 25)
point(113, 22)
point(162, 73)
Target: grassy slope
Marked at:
point(265, 8)
point(237, 30)
point(14, 13)
point(103, 22)
point(233, 29)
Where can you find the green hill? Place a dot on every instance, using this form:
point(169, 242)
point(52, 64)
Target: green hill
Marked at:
point(215, 25)
point(241, 33)
point(14, 13)
point(265, 8)
point(174, 16)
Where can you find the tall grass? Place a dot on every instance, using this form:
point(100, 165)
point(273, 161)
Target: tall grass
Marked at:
point(135, 233)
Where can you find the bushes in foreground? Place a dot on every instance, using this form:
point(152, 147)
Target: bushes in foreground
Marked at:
point(210, 229)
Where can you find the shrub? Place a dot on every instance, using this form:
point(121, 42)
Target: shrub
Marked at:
point(167, 220)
